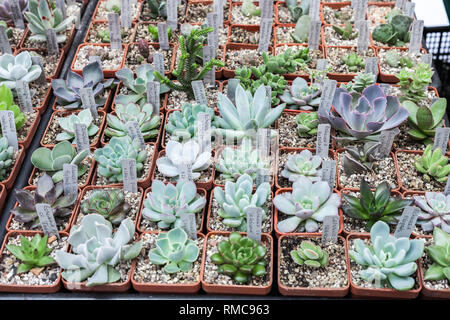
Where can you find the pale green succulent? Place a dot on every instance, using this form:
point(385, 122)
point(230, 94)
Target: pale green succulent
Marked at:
point(249, 9)
point(68, 125)
point(52, 161)
point(302, 164)
point(6, 158)
point(433, 164)
point(175, 251)
point(237, 198)
point(360, 82)
point(307, 253)
point(143, 115)
point(439, 252)
point(307, 123)
point(109, 158)
point(20, 67)
point(165, 204)
point(97, 251)
point(389, 261)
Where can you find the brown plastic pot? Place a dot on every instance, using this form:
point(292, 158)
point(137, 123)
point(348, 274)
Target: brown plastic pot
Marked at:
point(31, 131)
point(229, 73)
point(155, 45)
point(94, 16)
point(279, 4)
point(56, 72)
point(235, 288)
point(96, 139)
point(149, 287)
point(246, 27)
point(107, 73)
point(8, 182)
point(65, 48)
point(105, 22)
point(309, 291)
point(21, 288)
point(140, 217)
point(3, 194)
point(383, 293)
point(335, 6)
point(391, 78)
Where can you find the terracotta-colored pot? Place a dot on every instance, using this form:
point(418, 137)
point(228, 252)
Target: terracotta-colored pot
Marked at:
point(191, 3)
point(278, 4)
point(3, 194)
point(308, 291)
point(246, 27)
point(95, 19)
point(383, 293)
point(56, 72)
point(235, 288)
point(105, 22)
point(69, 222)
point(94, 142)
point(65, 48)
point(21, 288)
point(149, 287)
point(335, 6)
point(239, 4)
point(229, 73)
point(140, 217)
point(390, 78)
point(107, 73)
point(155, 45)
point(31, 131)
point(8, 182)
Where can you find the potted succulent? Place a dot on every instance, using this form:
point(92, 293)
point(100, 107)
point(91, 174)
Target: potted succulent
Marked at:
point(245, 13)
point(305, 61)
point(11, 162)
point(395, 32)
point(52, 63)
point(394, 60)
point(196, 11)
point(114, 6)
point(98, 32)
point(337, 13)
point(141, 52)
point(156, 11)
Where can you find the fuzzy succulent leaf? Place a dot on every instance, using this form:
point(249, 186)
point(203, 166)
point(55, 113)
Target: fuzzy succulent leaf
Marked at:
point(19, 67)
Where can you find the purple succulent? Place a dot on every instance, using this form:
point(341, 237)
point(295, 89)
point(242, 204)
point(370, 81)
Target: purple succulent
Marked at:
point(6, 12)
point(436, 211)
point(363, 115)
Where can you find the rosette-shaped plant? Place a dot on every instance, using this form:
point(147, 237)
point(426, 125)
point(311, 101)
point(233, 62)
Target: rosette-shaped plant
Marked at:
point(235, 162)
point(307, 253)
point(109, 203)
point(143, 115)
point(178, 154)
point(7, 104)
point(362, 116)
point(360, 82)
point(389, 261)
point(307, 124)
point(6, 158)
point(16, 68)
point(237, 198)
point(308, 203)
point(360, 159)
point(249, 114)
point(68, 91)
point(183, 125)
point(413, 82)
point(6, 11)
point(42, 17)
point(433, 164)
point(68, 125)
point(353, 62)
point(435, 211)
point(96, 251)
point(52, 161)
point(376, 206)
point(301, 95)
point(241, 258)
point(175, 251)
point(46, 192)
point(165, 204)
point(110, 157)
point(287, 62)
point(439, 252)
point(302, 164)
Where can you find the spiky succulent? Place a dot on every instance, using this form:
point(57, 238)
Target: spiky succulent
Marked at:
point(48, 193)
point(110, 203)
point(32, 254)
point(433, 164)
point(68, 125)
point(234, 162)
point(7, 104)
point(178, 154)
point(309, 254)
point(165, 204)
point(301, 95)
point(42, 17)
point(361, 158)
point(6, 158)
point(237, 198)
point(395, 32)
point(303, 164)
point(307, 204)
point(158, 8)
point(148, 121)
point(424, 120)
point(97, 251)
point(353, 62)
point(241, 258)
point(360, 82)
point(68, 91)
point(109, 158)
point(376, 206)
point(19, 67)
point(250, 113)
point(363, 116)
point(389, 261)
point(347, 32)
point(6, 11)
point(52, 161)
point(413, 82)
point(439, 252)
point(183, 125)
point(175, 251)
point(307, 123)
point(435, 211)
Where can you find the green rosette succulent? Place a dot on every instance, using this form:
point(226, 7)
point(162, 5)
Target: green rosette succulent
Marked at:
point(301, 95)
point(353, 62)
point(303, 164)
point(307, 123)
point(109, 203)
point(433, 164)
point(360, 82)
point(68, 125)
point(413, 82)
point(308, 254)
point(439, 253)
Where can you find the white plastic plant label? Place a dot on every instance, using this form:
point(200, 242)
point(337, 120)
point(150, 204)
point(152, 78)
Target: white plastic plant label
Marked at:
point(323, 140)
point(61, 5)
point(37, 60)
point(329, 87)
point(9, 128)
point(407, 222)
point(427, 58)
point(114, 31)
point(212, 20)
point(447, 186)
point(158, 62)
point(52, 42)
point(360, 9)
point(267, 9)
point(24, 96)
point(263, 142)
point(208, 55)
point(81, 137)
point(204, 132)
point(254, 223)
point(416, 36)
point(185, 171)
point(218, 8)
point(441, 137)
point(199, 92)
point(363, 35)
point(88, 101)
point(314, 34)
point(5, 46)
point(47, 219)
point(400, 4)
point(314, 8)
point(70, 178)
point(16, 14)
point(262, 175)
point(265, 34)
point(125, 13)
point(129, 175)
point(231, 90)
point(372, 65)
point(153, 90)
point(329, 172)
point(321, 66)
point(78, 18)
point(134, 131)
point(386, 140)
point(163, 35)
point(409, 9)
point(330, 229)
point(189, 225)
point(172, 14)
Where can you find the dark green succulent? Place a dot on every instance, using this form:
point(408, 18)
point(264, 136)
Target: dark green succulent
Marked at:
point(395, 32)
point(372, 207)
point(360, 159)
point(110, 203)
point(347, 32)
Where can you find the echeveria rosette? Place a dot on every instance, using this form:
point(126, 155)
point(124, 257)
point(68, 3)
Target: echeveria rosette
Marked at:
point(307, 204)
point(435, 211)
point(439, 252)
point(301, 96)
point(389, 260)
point(362, 116)
point(68, 125)
point(19, 67)
point(108, 202)
point(303, 164)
